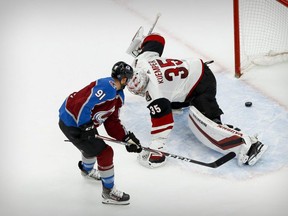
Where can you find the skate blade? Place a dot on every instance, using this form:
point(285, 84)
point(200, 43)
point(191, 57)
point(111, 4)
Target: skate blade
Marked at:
point(258, 156)
point(85, 176)
point(114, 202)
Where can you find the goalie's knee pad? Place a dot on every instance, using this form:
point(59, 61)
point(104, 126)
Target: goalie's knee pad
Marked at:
point(221, 137)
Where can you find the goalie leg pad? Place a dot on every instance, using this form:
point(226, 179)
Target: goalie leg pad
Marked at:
point(224, 139)
point(216, 136)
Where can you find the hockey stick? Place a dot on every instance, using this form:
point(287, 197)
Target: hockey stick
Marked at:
point(154, 24)
point(214, 164)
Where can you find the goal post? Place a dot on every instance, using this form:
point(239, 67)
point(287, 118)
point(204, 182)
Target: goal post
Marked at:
point(260, 33)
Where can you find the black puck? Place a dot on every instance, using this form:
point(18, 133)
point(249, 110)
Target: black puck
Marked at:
point(248, 104)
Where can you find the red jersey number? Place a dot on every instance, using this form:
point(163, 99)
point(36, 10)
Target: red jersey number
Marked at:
point(174, 69)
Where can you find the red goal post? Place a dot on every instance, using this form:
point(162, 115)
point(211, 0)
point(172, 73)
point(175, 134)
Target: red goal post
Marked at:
point(260, 33)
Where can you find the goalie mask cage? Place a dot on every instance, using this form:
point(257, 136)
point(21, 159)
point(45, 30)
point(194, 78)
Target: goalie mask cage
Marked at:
point(260, 33)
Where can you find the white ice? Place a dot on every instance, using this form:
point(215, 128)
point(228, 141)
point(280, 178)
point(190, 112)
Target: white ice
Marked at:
point(49, 49)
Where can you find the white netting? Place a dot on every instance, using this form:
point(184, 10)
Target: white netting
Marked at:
point(263, 32)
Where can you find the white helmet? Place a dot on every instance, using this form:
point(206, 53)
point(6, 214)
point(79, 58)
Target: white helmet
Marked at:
point(138, 83)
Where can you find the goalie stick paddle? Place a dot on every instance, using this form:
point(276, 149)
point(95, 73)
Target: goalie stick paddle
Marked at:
point(222, 160)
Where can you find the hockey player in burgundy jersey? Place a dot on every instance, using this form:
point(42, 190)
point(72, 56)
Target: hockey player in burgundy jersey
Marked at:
point(80, 115)
point(169, 84)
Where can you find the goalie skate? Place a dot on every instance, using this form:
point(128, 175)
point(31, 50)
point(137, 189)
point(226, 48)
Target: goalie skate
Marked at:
point(151, 159)
point(255, 152)
point(115, 197)
point(251, 151)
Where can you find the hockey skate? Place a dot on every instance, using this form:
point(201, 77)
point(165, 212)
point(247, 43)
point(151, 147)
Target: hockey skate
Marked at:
point(255, 152)
point(93, 174)
point(115, 197)
point(151, 159)
point(251, 152)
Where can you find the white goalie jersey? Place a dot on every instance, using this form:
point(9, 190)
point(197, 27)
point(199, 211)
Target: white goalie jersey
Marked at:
point(169, 78)
point(164, 81)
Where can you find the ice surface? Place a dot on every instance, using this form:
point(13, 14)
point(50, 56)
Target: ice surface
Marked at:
point(52, 48)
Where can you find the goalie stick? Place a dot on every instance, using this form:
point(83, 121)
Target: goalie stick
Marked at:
point(154, 24)
point(214, 164)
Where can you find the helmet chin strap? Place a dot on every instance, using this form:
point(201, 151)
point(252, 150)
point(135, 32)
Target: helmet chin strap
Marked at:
point(122, 86)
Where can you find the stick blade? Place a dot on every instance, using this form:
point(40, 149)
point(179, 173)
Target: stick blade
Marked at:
point(223, 160)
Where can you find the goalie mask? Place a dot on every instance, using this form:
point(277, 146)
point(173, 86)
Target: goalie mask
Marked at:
point(138, 83)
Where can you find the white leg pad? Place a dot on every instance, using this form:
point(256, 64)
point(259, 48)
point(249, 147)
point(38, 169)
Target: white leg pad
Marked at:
point(219, 137)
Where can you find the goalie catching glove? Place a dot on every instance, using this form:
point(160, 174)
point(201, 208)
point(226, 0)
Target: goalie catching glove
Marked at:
point(133, 144)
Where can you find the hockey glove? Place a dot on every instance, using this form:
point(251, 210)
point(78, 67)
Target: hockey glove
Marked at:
point(133, 143)
point(88, 131)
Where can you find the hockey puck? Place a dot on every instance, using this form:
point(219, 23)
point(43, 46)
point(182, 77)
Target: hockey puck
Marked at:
point(248, 104)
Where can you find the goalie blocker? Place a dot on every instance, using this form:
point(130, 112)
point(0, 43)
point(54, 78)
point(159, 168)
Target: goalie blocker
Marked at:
point(224, 139)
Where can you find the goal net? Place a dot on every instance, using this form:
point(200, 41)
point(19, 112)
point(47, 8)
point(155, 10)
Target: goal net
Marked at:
point(260, 33)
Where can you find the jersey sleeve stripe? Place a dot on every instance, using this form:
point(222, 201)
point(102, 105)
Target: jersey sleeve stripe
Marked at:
point(160, 130)
point(164, 120)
